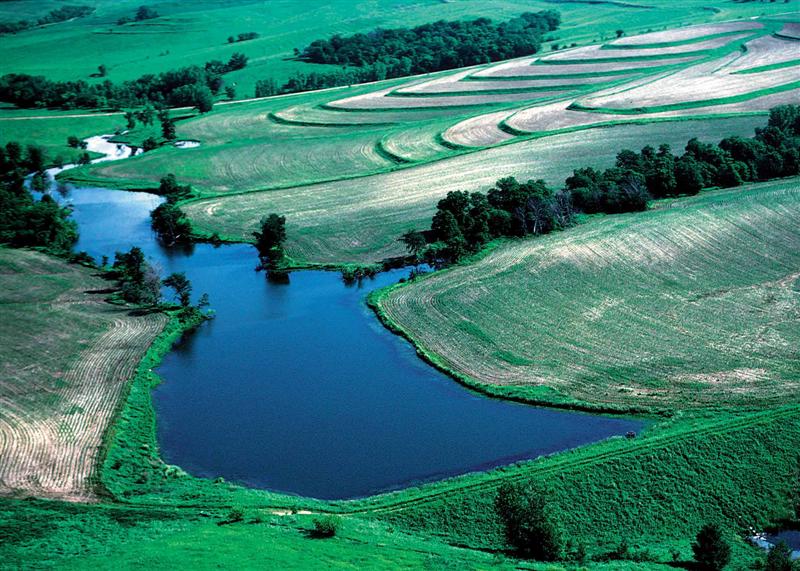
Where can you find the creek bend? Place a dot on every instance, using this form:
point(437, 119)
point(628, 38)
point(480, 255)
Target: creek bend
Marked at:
point(298, 388)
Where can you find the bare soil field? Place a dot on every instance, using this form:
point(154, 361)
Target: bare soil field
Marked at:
point(65, 363)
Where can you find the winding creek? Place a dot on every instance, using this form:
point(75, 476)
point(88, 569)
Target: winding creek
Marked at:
point(298, 388)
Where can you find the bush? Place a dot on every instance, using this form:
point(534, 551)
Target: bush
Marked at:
point(326, 526)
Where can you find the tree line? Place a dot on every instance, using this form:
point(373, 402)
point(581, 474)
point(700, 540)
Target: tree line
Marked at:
point(58, 15)
point(187, 86)
point(437, 46)
point(465, 221)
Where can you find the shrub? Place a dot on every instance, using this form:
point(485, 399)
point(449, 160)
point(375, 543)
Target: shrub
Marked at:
point(326, 526)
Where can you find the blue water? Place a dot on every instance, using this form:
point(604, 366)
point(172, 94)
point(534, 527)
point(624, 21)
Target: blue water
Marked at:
point(297, 387)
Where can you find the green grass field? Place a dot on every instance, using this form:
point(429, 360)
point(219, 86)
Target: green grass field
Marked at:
point(691, 304)
point(187, 34)
point(353, 168)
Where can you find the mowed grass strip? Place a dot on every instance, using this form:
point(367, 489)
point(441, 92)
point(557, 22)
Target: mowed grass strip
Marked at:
point(66, 356)
point(693, 303)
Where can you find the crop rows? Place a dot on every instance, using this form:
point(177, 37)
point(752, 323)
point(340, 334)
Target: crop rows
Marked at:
point(693, 303)
point(54, 413)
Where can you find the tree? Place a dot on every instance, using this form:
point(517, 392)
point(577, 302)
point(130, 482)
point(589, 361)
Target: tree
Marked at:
point(36, 158)
point(326, 526)
point(711, 551)
point(130, 118)
point(168, 186)
point(238, 61)
point(182, 286)
point(529, 527)
point(170, 223)
point(149, 144)
point(270, 238)
point(145, 116)
point(230, 92)
point(73, 141)
point(231, 39)
point(203, 99)
point(620, 33)
point(779, 558)
point(102, 70)
point(414, 242)
point(167, 125)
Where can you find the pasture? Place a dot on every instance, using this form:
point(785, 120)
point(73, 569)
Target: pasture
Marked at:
point(693, 303)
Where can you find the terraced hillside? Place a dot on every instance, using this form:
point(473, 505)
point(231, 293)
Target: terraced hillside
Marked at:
point(65, 359)
point(352, 168)
point(694, 303)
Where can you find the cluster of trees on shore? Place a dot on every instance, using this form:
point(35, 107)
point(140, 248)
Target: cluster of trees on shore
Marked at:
point(25, 221)
point(168, 220)
point(58, 15)
point(141, 284)
point(187, 86)
point(436, 46)
point(465, 221)
point(533, 531)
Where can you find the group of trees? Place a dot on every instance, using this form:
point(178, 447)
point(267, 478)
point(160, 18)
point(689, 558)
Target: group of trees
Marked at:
point(464, 221)
point(168, 220)
point(141, 284)
point(437, 46)
point(58, 15)
point(142, 13)
point(187, 86)
point(25, 221)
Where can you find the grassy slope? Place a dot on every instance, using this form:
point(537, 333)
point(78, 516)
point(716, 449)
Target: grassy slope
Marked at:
point(192, 33)
point(66, 354)
point(693, 303)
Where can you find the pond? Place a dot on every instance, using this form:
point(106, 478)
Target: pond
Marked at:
point(296, 387)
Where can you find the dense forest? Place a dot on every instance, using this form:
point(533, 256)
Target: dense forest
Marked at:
point(437, 46)
point(58, 15)
point(465, 221)
point(181, 87)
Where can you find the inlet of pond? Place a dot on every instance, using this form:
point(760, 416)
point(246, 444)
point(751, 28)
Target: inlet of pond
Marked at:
point(296, 387)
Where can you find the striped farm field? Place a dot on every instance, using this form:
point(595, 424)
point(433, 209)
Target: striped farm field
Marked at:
point(329, 160)
point(693, 303)
point(360, 219)
point(66, 356)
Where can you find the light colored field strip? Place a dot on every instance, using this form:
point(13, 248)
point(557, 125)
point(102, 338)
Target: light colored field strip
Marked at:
point(688, 33)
